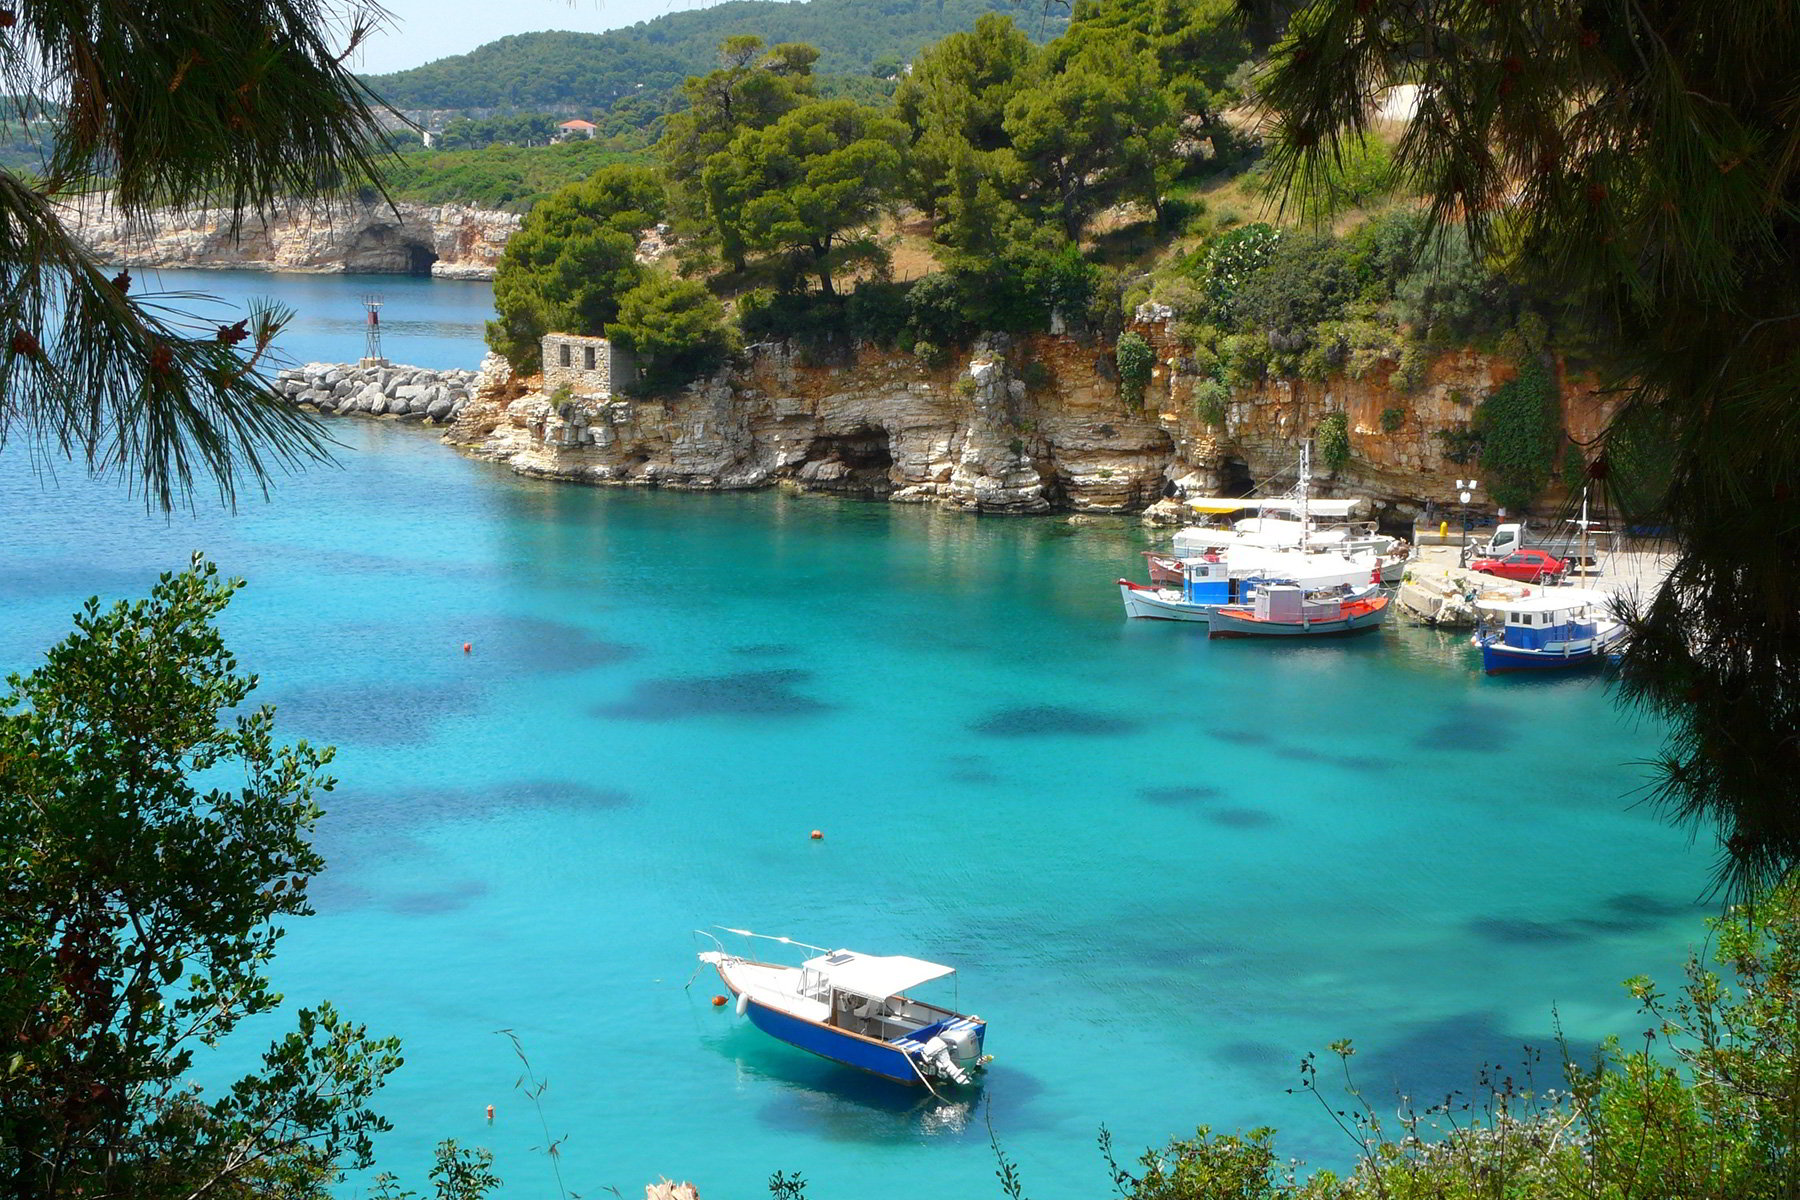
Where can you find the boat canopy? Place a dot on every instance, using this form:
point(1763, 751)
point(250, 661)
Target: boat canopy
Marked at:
point(1544, 599)
point(877, 976)
point(1318, 508)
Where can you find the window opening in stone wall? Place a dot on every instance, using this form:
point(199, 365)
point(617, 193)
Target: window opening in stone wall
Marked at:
point(587, 357)
point(565, 354)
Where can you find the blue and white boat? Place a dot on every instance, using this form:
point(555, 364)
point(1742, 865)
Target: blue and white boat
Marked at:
point(1550, 629)
point(854, 1008)
point(1220, 577)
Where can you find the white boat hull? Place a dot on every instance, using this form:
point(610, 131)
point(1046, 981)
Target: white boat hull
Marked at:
point(1161, 604)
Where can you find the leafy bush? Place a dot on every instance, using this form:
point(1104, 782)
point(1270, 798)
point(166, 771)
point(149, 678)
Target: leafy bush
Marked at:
point(1521, 428)
point(1393, 419)
point(1136, 361)
point(676, 328)
point(1333, 437)
point(1460, 445)
point(1409, 373)
point(1574, 466)
point(1212, 401)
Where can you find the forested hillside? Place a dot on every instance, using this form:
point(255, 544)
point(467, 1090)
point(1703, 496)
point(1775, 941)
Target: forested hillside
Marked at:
point(556, 70)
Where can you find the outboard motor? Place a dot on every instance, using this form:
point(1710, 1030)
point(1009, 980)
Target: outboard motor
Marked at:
point(940, 1062)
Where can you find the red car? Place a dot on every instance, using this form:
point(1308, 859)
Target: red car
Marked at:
point(1526, 566)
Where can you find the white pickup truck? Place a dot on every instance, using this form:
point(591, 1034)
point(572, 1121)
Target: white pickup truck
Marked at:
point(1513, 536)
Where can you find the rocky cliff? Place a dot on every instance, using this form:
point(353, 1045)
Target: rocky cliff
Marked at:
point(451, 240)
point(1024, 425)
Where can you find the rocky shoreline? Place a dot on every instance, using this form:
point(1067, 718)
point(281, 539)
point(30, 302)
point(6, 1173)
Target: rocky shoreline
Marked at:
point(449, 241)
point(1032, 424)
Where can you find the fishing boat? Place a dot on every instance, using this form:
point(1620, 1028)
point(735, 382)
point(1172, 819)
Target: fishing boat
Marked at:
point(1553, 629)
point(1232, 575)
point(1287, 609)
point(855, 1008)
point(1297, 521)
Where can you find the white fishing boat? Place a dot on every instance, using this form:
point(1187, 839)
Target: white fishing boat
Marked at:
point(1296, 521)
point(856, 1009)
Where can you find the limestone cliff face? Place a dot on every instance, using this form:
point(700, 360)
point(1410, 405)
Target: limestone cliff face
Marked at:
point(1025, 425)
point(450, 240)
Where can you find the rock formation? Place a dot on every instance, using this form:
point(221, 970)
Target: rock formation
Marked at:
point(450, 240)
point(1025, 425)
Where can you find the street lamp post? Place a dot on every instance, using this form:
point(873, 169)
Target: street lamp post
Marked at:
point(1465, 493)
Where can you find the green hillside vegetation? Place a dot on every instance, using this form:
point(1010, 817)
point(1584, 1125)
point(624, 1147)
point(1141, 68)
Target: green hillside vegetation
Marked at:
point(1068, 182)
point(560, 71)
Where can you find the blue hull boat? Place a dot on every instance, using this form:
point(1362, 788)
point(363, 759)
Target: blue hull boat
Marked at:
point(1557, 629)
point(854, 1009)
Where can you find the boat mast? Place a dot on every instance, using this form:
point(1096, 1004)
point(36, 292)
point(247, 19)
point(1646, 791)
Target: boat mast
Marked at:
point(1305, 487)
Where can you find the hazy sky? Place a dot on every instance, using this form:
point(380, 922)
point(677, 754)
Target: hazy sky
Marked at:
point(426, 29)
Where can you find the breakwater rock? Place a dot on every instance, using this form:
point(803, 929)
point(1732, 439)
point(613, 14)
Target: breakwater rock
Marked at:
point(386, 390)
point(447, 240)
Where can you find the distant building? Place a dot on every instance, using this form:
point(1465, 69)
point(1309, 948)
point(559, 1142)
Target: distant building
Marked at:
point(569, 130)
point(588, 366)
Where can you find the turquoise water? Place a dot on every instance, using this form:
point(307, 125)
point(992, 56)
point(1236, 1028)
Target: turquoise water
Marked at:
point(424, 322)
point(1167, 868)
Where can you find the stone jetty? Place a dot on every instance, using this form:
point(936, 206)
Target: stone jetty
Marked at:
point(379, 389)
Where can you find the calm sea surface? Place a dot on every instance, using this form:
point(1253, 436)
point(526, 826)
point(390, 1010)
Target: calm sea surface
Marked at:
point(1166, 867)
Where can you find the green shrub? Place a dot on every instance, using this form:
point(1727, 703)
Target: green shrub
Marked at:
point(1244, 358)
point(1212, 400)
point(1521, 426)
point(1037, 376)
point(1136, 361)
point(1393, 419)
point(1333, 438)
point(1409, 373)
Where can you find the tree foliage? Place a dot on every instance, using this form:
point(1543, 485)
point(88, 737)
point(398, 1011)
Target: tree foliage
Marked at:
point(155, 840)
point(572, 260)
point(805, 189)
point(1646, 155)
point(91, 369)
point(675, 327)
point(751, 90)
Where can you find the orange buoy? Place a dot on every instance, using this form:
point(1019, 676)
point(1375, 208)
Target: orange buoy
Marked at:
point(718, 1002)
point(490, 1114)
point(817, 836)
point(466, 647)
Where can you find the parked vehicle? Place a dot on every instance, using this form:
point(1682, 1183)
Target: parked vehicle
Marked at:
point(1572, 547)
point(1526, 566)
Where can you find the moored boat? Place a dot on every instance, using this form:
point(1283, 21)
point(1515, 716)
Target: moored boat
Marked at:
point(1552, 629)
point(1218, 577)
point(1290, 610)
point(854, 1008)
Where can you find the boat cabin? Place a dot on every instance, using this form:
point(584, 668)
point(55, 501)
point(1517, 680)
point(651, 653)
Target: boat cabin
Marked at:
point(1548, 627)
point(1286, 603)
point(865, 993)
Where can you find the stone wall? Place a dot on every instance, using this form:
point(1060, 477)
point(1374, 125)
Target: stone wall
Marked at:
point(450, 240)
point(589, 367)
point(384, 389)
